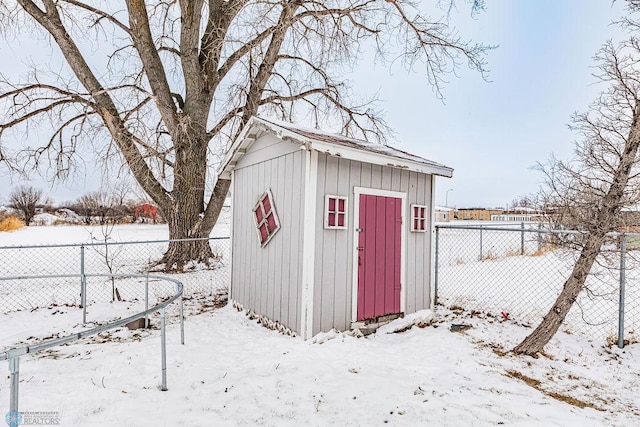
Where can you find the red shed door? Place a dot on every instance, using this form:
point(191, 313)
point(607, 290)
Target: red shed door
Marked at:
point(379, 248)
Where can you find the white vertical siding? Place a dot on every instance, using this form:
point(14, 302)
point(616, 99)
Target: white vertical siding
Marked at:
point(334, 248)
point(267, 280)
point(419, 248)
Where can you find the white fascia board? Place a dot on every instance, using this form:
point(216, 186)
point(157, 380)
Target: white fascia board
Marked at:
point(308, 245)
point(380, 159)
point(239, 148)
point(230, 284)
point(234, 153)
point(432, 258)
point(356, 154)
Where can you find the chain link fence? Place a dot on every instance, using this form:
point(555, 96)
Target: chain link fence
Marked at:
point(26, 282)
point(517, 271)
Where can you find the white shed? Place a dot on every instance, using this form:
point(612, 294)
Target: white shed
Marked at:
point(327, 231)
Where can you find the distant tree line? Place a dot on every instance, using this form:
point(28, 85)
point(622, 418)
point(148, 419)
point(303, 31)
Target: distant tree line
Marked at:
point(113, 205)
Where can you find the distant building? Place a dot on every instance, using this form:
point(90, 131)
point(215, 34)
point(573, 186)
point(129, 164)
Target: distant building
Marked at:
point(519, 214)
point(444, 214)
point(477, 214)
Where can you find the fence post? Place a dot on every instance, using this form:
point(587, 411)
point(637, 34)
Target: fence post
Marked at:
point(83, 286)
point(146, 301)
point(522, 238)
point(435, 279)
point(163, 350)
point(181, 316)
point(13, 417)
point(539, 237)
point(623, 266)
point(480, 259)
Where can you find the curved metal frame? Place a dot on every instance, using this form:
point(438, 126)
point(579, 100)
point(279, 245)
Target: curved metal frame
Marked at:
point(13, 354)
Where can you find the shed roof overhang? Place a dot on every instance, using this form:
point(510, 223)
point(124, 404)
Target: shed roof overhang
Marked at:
point(346, 148)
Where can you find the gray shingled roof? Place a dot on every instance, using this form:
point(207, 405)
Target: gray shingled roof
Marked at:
point(344, 141)
point(332, 144)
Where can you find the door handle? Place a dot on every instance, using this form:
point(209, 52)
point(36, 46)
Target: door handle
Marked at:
point(360, 248)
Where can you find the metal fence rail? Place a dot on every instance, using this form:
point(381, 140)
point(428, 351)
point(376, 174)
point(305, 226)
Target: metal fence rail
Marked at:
point(88, 274)
point(13, 354)
point(71, 263)
point(517, 272)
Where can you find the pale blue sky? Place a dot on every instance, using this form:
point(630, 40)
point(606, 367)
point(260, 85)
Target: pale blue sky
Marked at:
point(491, 133)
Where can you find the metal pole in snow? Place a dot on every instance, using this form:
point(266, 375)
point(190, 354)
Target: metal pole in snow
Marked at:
point(146, 301)
point(181, 317)
point(623, 256)
point(163, 345)
point(83, 286)
point(539, 237)
point(13, 417)
point(522, 238)
point(480, 259)
point(435, 279)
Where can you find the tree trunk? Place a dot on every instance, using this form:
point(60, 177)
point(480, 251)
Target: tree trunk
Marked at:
point(536, 341)
point(604, 220)
point(185, 214)
point(180, 253)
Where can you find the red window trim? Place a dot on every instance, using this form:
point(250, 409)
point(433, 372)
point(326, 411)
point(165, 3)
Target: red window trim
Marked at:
point(419, 218)
point(266, 218)
point(335, 212)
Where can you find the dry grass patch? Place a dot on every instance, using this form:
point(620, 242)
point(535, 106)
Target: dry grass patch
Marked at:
point(512, 252)
point(546, 248)
point(489, 256)
point(11, 223)
point(532, 382)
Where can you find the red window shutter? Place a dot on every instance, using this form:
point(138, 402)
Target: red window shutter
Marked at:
point(271, 221)
point(419, 217)
point(335, 212)
point(266, 218)
point(264, 233)
point(267, 204)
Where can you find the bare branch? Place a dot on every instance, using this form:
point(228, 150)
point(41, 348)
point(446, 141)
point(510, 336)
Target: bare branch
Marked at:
point(101, 14)
point(154, 69)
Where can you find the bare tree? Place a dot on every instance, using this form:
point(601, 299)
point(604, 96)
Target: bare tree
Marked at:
point(90, 206)
point(109, 254)
point(120, 198)
point(26, 200)
point(588, 193)
point(110, 204)
point(179, 79)
point(526, 201)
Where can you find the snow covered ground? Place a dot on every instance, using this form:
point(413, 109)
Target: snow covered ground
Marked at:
point(232, 371)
